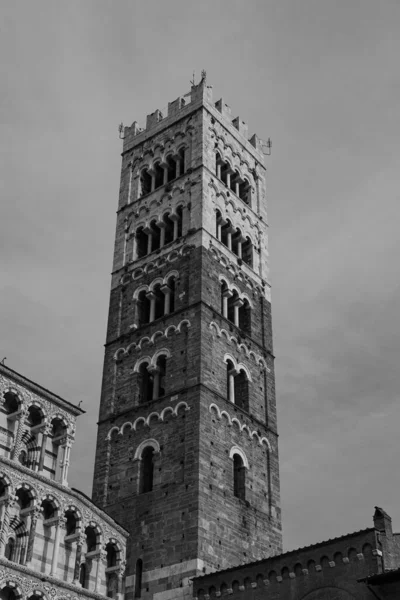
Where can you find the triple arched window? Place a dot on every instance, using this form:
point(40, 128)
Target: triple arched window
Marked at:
point(162, 172)
point(155, 302)
point(234, 239)
point(232, 179)
point(236, 307)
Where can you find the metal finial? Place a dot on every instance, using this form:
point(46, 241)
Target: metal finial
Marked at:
point(120, 130)
point(5, 358)
point(193, 81)
point(203, 75)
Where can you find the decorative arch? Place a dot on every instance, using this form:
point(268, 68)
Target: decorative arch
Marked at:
point(236, 450)
point(149, 442)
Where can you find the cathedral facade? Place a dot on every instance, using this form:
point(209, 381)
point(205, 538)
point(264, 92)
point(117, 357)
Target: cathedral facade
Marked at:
point(54, 542)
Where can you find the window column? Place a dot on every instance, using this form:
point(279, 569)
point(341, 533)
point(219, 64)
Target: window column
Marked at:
point(45, 434)
point(101, 557)
point(155, 371)
point(152, 297)
point(226, 294)
point(120, 577)
point(60, 526)
point(231, 385)
point(166, 290)
point(236, 306)
point(175, 218)
point(10, 503)
point(66, 444)
point(21, 416)
point(161, 226)
point(78, 557)
point(32, 532)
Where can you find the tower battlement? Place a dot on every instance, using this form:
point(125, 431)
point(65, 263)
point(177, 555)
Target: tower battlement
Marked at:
point(199, 95)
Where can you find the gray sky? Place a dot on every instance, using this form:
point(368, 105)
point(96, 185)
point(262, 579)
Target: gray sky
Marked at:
point(322, 79)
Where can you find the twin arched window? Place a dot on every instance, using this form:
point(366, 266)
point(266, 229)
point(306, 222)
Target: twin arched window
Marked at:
point(231, 178)
point(239, 477)
point(152, 380)
point(235, 308)
point(162, 173)
point(234, 240)
point(158, 233)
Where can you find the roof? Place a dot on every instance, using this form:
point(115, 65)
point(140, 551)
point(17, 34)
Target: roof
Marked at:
point(378, 578)
point(35, 387)
point(284, 554)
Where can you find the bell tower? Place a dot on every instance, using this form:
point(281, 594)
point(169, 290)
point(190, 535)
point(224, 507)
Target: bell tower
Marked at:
point(187, 456)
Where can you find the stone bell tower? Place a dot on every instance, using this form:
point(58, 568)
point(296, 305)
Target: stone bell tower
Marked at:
point(187, 456)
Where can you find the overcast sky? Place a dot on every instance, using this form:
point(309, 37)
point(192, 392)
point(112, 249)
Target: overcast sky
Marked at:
point(321, 78)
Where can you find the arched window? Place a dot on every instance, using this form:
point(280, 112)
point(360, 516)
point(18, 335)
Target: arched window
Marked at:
point(145, 182)
point(145, 384)
point(82, 575)
point(10, 549)
point(24, 498)
point(159, 300)
point(155, 236)
point(169, 293)
point(141, 243)
point(168, 229)
point(72, 522)
point(143, 308)
point(245, 317)
point(146, 470)
point(237, 386)
point(158, 175)
point(8, 421)
point(239, 477)
point(242, 391)
point(58, 433)
point(182, 161)
point(112, 555)
point(91, 539)
point(247, 252)
point(49, 509)
point(7, 593)
point(244, 192)
point(171, 168)
point(138, 578)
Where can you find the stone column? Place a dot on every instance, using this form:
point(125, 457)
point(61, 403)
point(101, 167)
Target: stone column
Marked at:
point(101, 557)
point(178, 167)
point(166, 290)
point(155, 371)
point(165, 180)
point(239, 247)
point(237, 187)
point(149, 241)
point(20, 430)
point(219, 227)
point(161, 226)
point(228, 179)
point(9, 504)
point(219, 170)
point(231, 384)
point(229, 239)
point(225, 297)
point(152, 297)
point(120, 576)
point(175, 219)
point(153, 182)
point(60, 527)
point(65, 462)
point(32, 532)
point(45, 434)
point(78, 556)
point(236, 306)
